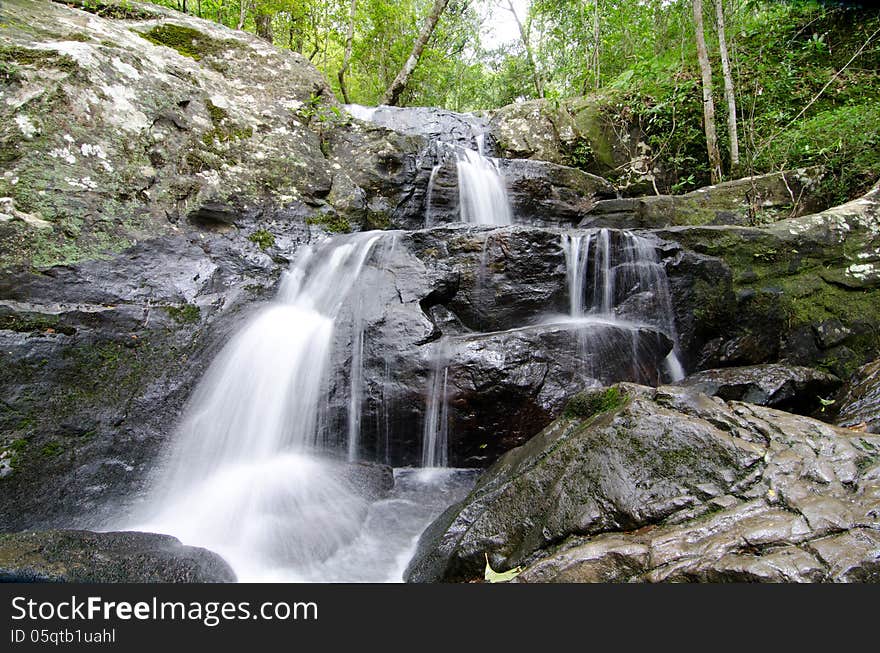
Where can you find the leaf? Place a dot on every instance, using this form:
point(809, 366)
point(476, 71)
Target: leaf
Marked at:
point(493, 576)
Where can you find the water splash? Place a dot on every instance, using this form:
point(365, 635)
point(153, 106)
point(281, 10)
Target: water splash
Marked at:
point(243, 477)
point(482, 191)
point(618, 274)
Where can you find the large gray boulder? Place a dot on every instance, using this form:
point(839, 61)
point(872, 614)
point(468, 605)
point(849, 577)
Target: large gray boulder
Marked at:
point(659, 484)
point(67, 556)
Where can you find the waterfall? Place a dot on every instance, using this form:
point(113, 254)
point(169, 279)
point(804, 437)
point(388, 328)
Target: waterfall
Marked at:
point(436, 428)
point(617, 274)
point(243, 477)
point(481, 190)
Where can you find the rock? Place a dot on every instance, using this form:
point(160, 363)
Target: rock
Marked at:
point(132, 135)
point(549, 195)
point(372, 481)
point(668, 484)
point(790, 388)
point(790, 281)
point(830, 333)
point(587, 132)
point(503, 387)
point(747, 201)
point(859, 407)
point(67, 556)
point(432, 124)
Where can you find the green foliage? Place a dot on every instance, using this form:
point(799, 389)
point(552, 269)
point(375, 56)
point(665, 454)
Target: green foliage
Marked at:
point(185, 313)
point(492, 576)
point(262, 238)
point(846, 140)
point(588, 403)
point(332, 223)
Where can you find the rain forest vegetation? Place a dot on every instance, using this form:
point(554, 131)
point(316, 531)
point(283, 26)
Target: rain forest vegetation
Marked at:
point(721, 88)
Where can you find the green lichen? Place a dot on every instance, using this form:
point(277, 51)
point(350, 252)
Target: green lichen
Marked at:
point(589, 403)
point(185, 313)
point(51, 449)
point(331, 223)
point(122, 10)
point(262, 238)
point(34, 323)
point(188, 41)
point(12, 57)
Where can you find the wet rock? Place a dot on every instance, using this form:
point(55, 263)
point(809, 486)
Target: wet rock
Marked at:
point(790, 281)
point(860, 405)
point(68, 556)
point(669, 485)
point(545, 194)
point(503, 387)
point(747, 201)
point(371, 481)
point(790, 388)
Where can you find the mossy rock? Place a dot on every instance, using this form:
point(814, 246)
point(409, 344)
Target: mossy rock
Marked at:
point(188, 41)
point(589, 403)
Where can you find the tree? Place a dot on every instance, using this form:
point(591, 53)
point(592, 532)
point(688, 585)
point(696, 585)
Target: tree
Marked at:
point(346, 59)
point(729, 94)
point(392, 94)
point(524, 37)
point(708, 102)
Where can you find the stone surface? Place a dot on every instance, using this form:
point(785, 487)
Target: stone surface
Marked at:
point(788, 283)
point(859, 407)
point(670, 485)
point(747, 201)
point(66, 556)
point(790, 388)
point(585, 132)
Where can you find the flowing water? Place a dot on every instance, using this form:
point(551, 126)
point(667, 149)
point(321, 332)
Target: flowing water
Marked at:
point(481, 190)
point(255, 471)
point(619, 276)
point(244, 476)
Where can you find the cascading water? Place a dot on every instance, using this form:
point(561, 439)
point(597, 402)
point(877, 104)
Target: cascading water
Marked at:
point(436, 429)
point(245, 476)
point(481, 189)
point(615, 274)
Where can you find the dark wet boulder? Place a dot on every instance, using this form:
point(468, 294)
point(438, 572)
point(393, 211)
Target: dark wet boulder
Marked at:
point(67, 556)
point(642, 484)
point(786, 387)
point(860, 404)
point(803, 291)
point(550, 195)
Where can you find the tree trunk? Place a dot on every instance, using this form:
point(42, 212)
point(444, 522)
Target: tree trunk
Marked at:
point(729, 94)
point(536, 78)
point(392, 95)
point(346, 59)
point(596, 42)
point(708, 102)
point(242, 14)
point(263, 22)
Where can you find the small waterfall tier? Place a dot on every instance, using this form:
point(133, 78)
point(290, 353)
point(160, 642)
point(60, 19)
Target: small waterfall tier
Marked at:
point(245, 476)
point(459, 139)
point(618, 276)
